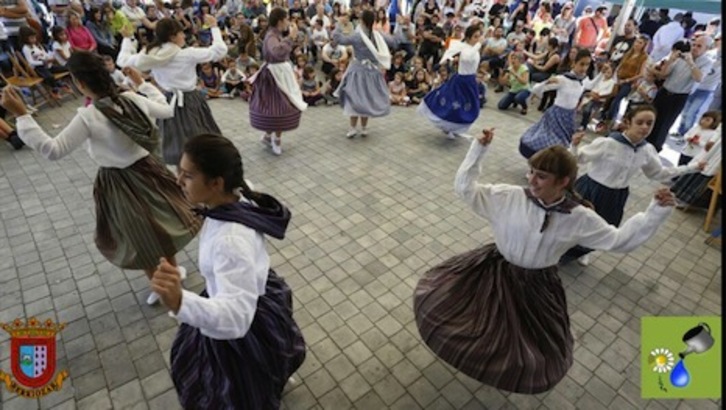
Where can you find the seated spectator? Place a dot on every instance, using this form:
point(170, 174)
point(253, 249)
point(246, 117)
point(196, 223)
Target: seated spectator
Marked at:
point(701, 137)
point(61, 47)
point(397, 66)
point(310, 88)
point(210, 82)
point(397, 88)
point(100, 29)
point(597, 92)
point(40, 60)
point(233, 79)
point(331, 85)
point(419, 86)
point(516, 77)
point(79, 36)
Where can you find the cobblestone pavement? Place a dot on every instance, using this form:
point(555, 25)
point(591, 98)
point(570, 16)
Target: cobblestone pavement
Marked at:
point(369, 216)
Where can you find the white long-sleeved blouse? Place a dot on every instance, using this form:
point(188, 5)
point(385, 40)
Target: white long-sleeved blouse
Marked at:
point(106, 143)
point(614, 164)
point(568, 91)
point(234, 263)
point(516, 220)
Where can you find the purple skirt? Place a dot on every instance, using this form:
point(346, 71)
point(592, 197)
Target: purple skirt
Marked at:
point(270, 109)
point(246, 373)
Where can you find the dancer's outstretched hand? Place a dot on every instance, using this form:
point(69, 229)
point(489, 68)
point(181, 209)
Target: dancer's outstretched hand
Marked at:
point(167, 283)
point(486, 137)
point(12, 101)
point(665, 197)
point(577, 137)
point(134, 75)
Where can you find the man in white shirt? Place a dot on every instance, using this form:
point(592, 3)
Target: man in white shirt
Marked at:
point(60, 10)
point(332, 54)
point(665, 37)
point(134, 13)
point(320, 15)
point(702, 95)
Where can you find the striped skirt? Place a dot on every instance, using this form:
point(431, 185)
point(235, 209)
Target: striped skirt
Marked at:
point(501, 324)
point(270, 109)
point(192, 119)
point(246, 373)
point(690, 188)
point(141, 214)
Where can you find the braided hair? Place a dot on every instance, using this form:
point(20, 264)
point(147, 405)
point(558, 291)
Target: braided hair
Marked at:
point(368, 18)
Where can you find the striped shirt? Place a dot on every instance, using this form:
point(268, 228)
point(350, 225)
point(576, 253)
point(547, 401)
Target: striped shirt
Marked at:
point(680, 80)
point(12, 25)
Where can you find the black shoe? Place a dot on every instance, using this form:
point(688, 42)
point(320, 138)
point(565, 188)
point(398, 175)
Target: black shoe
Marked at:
point(15, 141)
point(499, 89)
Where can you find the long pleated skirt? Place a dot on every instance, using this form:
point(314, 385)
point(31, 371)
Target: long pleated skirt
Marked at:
point(363, 91)
point(690, 188)
point(141, 214)
point(454, 106)
point(554, 128)
point(270, 109)
point(609, 203)
point(498, 323)
point(247, 373)
point(193, 119)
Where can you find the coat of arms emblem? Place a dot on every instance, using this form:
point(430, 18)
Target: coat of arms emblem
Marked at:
point(32, 358)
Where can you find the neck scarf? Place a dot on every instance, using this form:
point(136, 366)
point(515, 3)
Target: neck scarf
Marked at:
point(269, 216)
point(129, 118)
point(563, 206)
point(621, 138)
point(573, 76)
point(380, 49)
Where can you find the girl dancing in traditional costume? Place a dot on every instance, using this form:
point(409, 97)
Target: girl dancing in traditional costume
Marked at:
point(175, 70)
point(557, 125)
point(498, 313)
point(363, 91)
point(612, 163)
point(141, 214)
point(277, 102)
point(454, 106)
point(238, 343)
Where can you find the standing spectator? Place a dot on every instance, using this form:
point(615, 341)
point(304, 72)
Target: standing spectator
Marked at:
point(628, 72)
point(564, 26)
point(681, 70)
point(650, 23)
point(405, 32)
point(591, 29)
point(665, 37)
point(699, 100)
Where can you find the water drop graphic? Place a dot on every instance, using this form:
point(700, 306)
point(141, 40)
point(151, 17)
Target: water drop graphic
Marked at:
point(679, 375)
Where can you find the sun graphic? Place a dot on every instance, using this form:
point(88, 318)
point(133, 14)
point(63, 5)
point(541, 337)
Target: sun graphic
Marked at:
point(661, 359)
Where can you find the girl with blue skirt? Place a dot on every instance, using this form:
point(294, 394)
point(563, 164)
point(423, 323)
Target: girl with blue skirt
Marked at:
point(557, 125)
point(238, 343)
point(455, 105)
point(612, 163)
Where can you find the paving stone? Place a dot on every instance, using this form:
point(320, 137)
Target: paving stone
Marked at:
point(97, 401)
point(127, 395)
point(156, 384)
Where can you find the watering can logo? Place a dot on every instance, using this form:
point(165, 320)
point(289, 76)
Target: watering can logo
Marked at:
point(681, 357)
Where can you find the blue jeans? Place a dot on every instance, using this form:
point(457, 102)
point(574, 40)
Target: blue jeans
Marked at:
point(696, 105)
point(623, 91)
point(517, 98)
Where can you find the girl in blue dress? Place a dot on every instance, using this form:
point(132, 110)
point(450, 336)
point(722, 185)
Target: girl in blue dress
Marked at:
point(455, 105)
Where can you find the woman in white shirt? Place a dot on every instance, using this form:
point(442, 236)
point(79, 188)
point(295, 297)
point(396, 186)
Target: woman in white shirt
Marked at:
point(141, 214)
point(174, 69)
point(238, 343)
point(612, 163)
point(499, 313)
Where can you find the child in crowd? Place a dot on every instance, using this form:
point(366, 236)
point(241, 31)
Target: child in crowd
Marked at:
point(701, 137)
point(244, 60)
point(442, 74)
point(331, 85)
point(597, 91)
point(481, 83)
point(301, 61)
point(643, 92)
point(419, 86)
point(250, 72)
point(210, 82)
point(397, 89)
point(310, 87)
point(61, 47)
point(118, 77)
point(39, 59)
point(397, 66)
point(233, 79)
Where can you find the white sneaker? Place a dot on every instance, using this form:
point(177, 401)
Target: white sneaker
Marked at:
point(363, 132)
point(182, 272)
point(352, 133)
point(266, 139)
point(584, 260)
point(276, 148)
point(153, 298)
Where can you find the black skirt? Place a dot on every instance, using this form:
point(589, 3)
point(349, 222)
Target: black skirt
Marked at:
point(608, 202)
point(246, 373)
